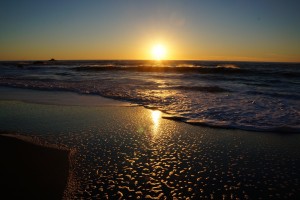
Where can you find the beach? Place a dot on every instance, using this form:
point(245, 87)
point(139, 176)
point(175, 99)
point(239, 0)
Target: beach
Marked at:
point(31, 170)
point(129, 152)
point(154, 100)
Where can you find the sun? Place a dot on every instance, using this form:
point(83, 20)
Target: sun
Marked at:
point(158, 52)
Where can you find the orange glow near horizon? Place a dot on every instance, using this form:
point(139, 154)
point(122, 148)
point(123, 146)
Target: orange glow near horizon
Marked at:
point(143, 48)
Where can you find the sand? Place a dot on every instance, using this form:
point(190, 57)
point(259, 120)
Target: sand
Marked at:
point(132, 152)
point(56, 98)
point(32, 171)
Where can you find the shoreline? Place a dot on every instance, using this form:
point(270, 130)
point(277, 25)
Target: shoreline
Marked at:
point(57, 97)
point(34, 169)
point(133, 152)
point(73, 98)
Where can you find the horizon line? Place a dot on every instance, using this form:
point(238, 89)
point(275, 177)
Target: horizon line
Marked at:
point(203, 60)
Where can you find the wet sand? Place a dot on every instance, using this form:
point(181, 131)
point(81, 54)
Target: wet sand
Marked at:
point(32, 171)
point(56, 98)
point(133, 153)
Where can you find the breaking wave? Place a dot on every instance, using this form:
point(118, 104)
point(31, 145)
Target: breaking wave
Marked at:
point(248, 96)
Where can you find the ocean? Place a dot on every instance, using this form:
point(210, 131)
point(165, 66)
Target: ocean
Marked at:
point(237, 95)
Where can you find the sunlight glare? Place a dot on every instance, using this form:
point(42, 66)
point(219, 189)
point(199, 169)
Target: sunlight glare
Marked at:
point(158, 52)
point(155, 117)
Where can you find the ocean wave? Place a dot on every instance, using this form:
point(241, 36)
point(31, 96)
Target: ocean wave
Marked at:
point(228, 69)
point(276, 94)
point(233, 125)
point(228, 66)
point(198, 67)
point(166, 69)
point(219, 111)
point(213, 89)
point(248, 96)
point(291, 74)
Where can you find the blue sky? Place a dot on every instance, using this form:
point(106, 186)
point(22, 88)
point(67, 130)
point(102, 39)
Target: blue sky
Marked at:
point(205, 30)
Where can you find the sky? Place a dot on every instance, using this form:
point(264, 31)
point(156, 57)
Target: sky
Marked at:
point(264, 30)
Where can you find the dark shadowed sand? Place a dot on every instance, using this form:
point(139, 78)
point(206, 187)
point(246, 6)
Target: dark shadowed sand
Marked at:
point(32, 171)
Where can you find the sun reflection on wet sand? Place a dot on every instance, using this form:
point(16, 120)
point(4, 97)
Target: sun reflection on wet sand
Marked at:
point(156, 116)
point(162, 159)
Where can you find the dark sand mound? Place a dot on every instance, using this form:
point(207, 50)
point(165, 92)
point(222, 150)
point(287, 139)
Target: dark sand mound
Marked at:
point(31, 171)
